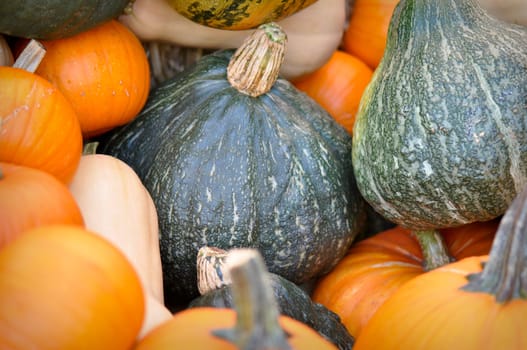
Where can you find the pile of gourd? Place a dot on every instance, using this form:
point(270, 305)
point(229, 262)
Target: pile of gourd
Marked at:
point(327, 174)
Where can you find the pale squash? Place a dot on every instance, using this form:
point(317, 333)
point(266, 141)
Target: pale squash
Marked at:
point(115, 204)
point(514, 11)
point(6, 56)
point(313, 33)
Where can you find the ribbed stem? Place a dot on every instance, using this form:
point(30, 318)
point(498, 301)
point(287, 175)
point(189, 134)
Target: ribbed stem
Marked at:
point(30, 58)
point(257, 326)
point(505, 273)
point(212, 272)
point(254, 67)
point(433, 248)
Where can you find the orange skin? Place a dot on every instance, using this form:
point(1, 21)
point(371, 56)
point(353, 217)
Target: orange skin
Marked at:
point(338, 86)
point(30, 198)
point(63, 287)
point(192, 329)
point(431, 312)
point(103, 72)
point(366, 34)
point(377, 266)
point(39, 127)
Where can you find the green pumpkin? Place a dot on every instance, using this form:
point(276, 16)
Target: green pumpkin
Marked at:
point(227, 169)
point(441, 133)
point(54, 19)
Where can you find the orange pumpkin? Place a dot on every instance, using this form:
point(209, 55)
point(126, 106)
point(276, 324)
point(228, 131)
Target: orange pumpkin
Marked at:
point(63, 287)
point(30, 198)
point(193, 329)
point(39, 127)
point(367, 30)
point(463, 305)
point(254, 323)
point(377, 266)
point(338, 86)
point(103, 72)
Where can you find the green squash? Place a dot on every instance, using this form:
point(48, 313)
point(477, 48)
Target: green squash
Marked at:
point(441, 133)
point(228, 169)
point(53, 19)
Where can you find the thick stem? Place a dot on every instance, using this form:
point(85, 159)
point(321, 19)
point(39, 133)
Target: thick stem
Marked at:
point(257, 326)
point(505, 273)
point(254, 67)
point(212, 272)
point(433, 248)
point(30, 58)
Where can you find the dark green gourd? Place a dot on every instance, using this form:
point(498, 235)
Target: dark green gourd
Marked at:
point(228, 169)
point(441, 133)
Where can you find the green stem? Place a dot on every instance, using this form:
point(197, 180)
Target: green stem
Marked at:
point(433, 248)
point(257, 326)
point(505, 273)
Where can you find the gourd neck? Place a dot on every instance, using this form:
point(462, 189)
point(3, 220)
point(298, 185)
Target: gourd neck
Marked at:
point(255, 65)
point(413, 20)
point(504, 275)
point(257, 314)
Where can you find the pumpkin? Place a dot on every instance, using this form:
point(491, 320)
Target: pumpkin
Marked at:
point(103, 72)
point(476, 303)
point(313, 33)
point(54, 19)
point(376, 267)
point(254, 323)
point(338, 86)
point(116, 205)
point(235, 14)
point(39, 126)
point(513, 11)
point(63, 287)
point(292, 300)
point(6, 56)
point(365, 35)
point(30, 198)
point(227, 169)
point(450, 147)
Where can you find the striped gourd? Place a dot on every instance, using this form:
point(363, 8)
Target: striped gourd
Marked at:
point(237, 14)
point(441, 134)
point(228, 169)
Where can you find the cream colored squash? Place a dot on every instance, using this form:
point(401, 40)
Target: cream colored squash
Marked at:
point(116, 205)
point(156, 314)
point(314, 33)
point(6, 56)
point(514, 11)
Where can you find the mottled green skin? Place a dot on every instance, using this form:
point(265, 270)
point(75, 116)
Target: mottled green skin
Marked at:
point(294, 302)
point(237, 14)
point(441, 133)
point(54, 19)
point(229, 170)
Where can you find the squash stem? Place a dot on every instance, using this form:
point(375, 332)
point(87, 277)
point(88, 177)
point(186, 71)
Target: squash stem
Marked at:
point(505, 273)
point(31, 56)
point(433, 248)
point(254, 67)
point(257, 326)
